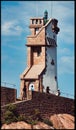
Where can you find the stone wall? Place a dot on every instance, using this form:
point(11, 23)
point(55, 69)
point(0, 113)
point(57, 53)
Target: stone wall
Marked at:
point(47, 104)
point(50, 104)
point(8, 95)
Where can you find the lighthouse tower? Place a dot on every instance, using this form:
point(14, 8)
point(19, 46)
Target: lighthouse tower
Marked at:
point(41, 71)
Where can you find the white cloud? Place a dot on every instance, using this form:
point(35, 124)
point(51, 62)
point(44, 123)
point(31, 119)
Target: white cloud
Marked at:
point(61, 10)
point(66, 65)
point(11, 28)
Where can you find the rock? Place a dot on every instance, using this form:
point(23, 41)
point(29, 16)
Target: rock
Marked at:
point(24, 125)
point(62, 121)
point(42, 125)
point(17, 125)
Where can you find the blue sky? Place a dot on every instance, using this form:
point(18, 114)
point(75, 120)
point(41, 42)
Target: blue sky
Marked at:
point(15, 20)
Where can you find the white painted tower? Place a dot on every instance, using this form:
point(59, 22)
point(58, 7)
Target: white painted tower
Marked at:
point(50, 75)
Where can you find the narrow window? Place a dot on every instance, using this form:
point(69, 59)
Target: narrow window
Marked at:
point(36, 21)
point(52, 62)
point(32, 21)
point(40, 21)
point(39, 51)
point(55, 77)
point(36, 30)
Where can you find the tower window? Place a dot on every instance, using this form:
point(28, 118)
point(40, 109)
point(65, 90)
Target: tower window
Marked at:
point(40, 21)
point(36, 30)
point(32, 21)
point(50, 41)
point(38, 51)
point(36, 21)
point(52, 62)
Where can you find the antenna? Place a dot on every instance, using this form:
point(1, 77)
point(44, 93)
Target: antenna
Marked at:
point(36, 9)
point(51, 8)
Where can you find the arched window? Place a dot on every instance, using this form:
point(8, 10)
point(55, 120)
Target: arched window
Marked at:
point(36, 30)
point(31, 87)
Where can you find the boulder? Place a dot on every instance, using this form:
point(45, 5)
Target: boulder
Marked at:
point(24, 125)
point(42, 125)
point(17, 125)
point(62, 121)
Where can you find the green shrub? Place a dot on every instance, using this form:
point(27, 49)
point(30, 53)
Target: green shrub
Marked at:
point(48, 122)
point(36, 115)
point(31, 121)
point(34, 118)
point(9, 117)
point(22, 117)
point(11, 114)
point(11, 107)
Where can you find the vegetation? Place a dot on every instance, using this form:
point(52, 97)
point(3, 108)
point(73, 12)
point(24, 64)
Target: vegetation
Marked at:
point(48, 122)
point(11, 107)
point(36, 115)
point(31, 121)
point(21, 117)
point(11, 115)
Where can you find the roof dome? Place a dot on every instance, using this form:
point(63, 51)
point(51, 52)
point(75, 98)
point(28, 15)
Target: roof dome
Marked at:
point(45, 11)
point(45, 14)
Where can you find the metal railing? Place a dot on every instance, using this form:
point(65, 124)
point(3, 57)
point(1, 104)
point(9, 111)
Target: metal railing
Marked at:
point(64, 94)
point(5, 84)
point(67, 94)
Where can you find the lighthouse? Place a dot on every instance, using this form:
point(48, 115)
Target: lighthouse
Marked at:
point(41, 71)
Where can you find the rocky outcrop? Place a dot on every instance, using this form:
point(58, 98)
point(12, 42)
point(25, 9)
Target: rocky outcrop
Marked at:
point(62, 121)
point(17, 125)
point(42, 125)
point(59, 121)
point(24, 125)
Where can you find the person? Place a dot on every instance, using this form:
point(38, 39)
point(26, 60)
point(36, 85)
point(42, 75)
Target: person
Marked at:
point(58, 92)
point(32, 88)
point(47, 89)
point(24, 93)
